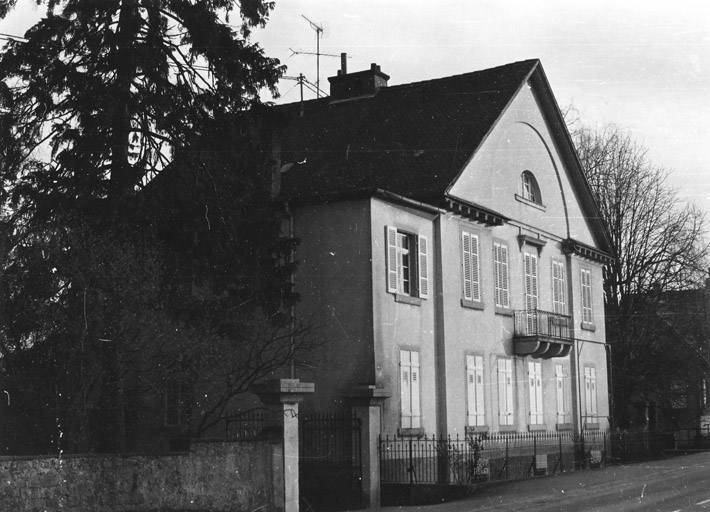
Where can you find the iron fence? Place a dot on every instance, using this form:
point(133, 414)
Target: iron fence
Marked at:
point(484, 457)
point(247, 425)
point(693, 438)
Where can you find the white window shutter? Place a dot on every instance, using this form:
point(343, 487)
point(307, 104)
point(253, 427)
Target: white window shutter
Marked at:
point(466, 265)
point(405, 382)
point(416, 407)
point(505, 300)
point(474, 382)
point(475, 274)
point(505, 391)
point(391, 259)
point(423, 244)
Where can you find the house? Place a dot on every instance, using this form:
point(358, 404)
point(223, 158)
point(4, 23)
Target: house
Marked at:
point(676, 332)
point(450, 250)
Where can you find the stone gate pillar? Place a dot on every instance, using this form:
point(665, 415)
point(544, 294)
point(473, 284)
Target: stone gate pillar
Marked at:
point(281, 397)
point(366, 403)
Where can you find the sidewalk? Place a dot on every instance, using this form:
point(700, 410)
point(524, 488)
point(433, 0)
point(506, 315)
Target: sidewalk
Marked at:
point(598, 489)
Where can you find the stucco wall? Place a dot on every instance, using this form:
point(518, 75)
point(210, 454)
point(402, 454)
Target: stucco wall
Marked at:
point(217, 476)
point(334, 281)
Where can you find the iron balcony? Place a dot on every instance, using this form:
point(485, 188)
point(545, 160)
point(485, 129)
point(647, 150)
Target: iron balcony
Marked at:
point(542, 334)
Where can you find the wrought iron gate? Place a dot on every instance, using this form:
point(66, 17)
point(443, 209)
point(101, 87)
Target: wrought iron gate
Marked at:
point(330, 476)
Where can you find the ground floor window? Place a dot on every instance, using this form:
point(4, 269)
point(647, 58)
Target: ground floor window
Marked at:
point(590, 395)
point(563, 394)
point(535, 380)
point(474, 380)
point(411, 416)
point(505, 391)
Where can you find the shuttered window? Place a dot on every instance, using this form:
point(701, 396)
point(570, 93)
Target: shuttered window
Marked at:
point(563, 394)
point(531, 291)
point(535, 385)
point(500, 269)
point(475, 394)
point(505, 391)
point(590, 395)
point(587, 316)
point(559, 287)
point(407, 263)
point(470, 266)
point(410, 416)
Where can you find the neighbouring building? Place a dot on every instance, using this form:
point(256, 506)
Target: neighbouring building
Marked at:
point(451, 252)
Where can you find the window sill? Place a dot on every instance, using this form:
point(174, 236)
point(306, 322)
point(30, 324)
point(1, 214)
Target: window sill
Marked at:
point(480, 429)
point(507, 428)
point(472, 304)
point(537, 428)
point(592, 426)
point(407, 299)
point(588, 327)
point(504, 311)
point(563, 426)
point(528, 202)
point(410, 432)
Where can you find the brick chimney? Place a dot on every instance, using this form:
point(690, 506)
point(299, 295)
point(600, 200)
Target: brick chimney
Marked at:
point(353, 85)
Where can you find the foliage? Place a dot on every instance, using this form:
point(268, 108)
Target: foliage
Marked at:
point(141, 244)
point(659, 247)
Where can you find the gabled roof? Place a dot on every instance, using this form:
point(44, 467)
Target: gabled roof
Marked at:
point(411, 139)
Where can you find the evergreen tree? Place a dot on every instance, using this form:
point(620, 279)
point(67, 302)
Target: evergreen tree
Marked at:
point(136, 171)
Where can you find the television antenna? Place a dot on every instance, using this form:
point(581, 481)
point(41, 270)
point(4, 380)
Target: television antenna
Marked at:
point(319, 33)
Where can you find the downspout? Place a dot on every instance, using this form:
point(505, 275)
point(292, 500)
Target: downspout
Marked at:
point(292, 281)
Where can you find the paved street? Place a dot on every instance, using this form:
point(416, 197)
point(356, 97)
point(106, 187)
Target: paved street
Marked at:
point(677, 484)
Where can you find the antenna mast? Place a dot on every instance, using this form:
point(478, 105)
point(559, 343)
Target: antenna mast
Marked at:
point(319, 33)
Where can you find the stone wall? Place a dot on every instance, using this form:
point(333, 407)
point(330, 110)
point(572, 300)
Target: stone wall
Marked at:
point(214, 476)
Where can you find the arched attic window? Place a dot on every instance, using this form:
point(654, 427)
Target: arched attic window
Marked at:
point(529, 188)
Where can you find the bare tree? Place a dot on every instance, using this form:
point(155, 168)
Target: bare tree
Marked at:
point(660, 247)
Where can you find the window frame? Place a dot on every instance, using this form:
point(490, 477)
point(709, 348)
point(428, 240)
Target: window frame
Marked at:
point(591, 410)
point(410, 416)
point(563, 394)
point(178, 397)
point(559, 287)
point(475, 391)
point(506, 394)
point(471, 266)
point(501, 274)
point(536, 413)
point(587, 297)
point(417, 268)
point(529, 188)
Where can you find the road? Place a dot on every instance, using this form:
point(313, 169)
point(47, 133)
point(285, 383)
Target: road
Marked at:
point(678, 484)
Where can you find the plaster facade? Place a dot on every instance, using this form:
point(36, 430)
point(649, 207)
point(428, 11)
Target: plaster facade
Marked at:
point(421, 345)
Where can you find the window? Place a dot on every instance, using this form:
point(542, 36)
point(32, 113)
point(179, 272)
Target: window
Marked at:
point(587, 296)
point(590, 395)
point(470, 267)
point(411, 416)
point(535, 378)
point(530, 189)
point(178, 399)
point(679, 395)
point(531, 291)
point(407, 263)
point(559, 286)
point(563, 394)
point(505, 391)
point(474, 380)
point(500, 269)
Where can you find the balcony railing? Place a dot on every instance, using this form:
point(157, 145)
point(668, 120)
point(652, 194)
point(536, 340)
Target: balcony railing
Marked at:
point(542, 333)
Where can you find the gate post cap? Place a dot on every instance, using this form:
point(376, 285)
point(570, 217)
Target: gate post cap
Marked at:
point(283, 391)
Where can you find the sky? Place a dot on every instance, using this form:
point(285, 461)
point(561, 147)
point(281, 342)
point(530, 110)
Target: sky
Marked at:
point(643, 65)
